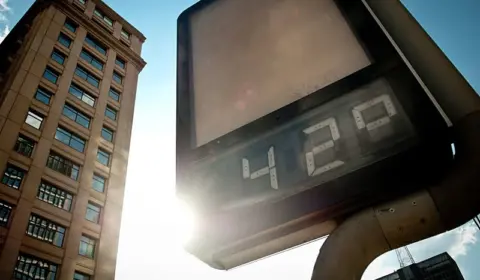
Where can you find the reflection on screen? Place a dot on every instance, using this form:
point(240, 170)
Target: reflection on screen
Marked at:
point(253, 57)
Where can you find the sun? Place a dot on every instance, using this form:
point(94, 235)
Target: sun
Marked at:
point(184, 222)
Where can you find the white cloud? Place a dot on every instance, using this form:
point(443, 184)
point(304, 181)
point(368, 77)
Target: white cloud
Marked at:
point(4, 6)
point(4, 9)
point(4, 32)
point(465, 237)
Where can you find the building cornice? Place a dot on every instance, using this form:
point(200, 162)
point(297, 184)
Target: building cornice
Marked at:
point(116, 17)
point(99, 33)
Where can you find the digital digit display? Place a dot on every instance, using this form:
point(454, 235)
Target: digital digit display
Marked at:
point(250, 58)
point(350, 132)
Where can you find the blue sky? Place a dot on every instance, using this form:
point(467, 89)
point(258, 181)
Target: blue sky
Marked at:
point(151, 234)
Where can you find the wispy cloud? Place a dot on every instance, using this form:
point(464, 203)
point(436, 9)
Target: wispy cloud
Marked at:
point(4, 12)
point(465, 237)
point(4, 32)
point(4, 5)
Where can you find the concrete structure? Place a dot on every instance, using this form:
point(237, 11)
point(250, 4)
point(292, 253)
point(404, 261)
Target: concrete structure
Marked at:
point(439, 267)
point(68, 78)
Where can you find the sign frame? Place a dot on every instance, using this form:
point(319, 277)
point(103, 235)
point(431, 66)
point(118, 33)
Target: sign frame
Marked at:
point(324, 202)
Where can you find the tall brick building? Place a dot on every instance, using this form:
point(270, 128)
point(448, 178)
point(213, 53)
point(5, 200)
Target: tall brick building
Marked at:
point(68, 78)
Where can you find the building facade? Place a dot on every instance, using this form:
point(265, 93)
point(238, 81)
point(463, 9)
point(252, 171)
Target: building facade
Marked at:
point(439, 267)
point(68, 78)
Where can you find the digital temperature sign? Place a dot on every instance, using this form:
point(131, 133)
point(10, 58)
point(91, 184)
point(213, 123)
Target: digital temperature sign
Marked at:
point(292, 113)
point(343, 135)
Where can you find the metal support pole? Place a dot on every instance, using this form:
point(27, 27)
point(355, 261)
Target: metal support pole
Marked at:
point(360, 239)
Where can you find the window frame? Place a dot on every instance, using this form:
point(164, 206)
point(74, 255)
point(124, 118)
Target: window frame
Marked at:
point(101, 180)
point(104, 154)
point(27, 264)
point(96, 219)
point(28, 145)
point(45, 230)
point(90, 246)
point(125, 34)
point(6, 210)
point(77, 114)
point(14, 177)
point(120, 62)
point(113, 111)
point(32, 114)
point(84, 94)
point(57, 53)
point(80, 276)
point(113, 92)
point(49, 70)
point(70, 23)
point(92, 60)
point(88, 76)
point(94, 43)
point(70, 137)
point(58, 163)
point(45, 93)
point(55, 196)
point(108, 131)
point(100, 14)
point(120, 78)
point(64, 36)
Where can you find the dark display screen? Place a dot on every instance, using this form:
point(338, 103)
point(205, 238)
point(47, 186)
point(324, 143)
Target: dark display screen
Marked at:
point(341, 136)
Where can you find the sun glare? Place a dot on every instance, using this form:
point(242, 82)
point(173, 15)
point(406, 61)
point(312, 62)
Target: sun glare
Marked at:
point(185, 222)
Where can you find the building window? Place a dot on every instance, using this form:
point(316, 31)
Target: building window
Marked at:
point(111, 113)
point(125, 34)
point(82, 95)
point(98, 183)
point(80, 276)
point(24, 146)
point(58, 57)
point(34, 119)
point(29, 268)
point(70, 25)
point(91, 60)
point(45, 230)
point(43, 96)
point(115, 95)
point(103, 157)
point(117, 78)
point(107, 134)
point(76, 116)
point(51, 75)
point(87, 247)
point(54, 196)
point(101, 15)
point(96, 45)
point(5, 212)
point(70, 139)
point(93, 213)
point(64, 40)
point(13, 176)
point(82, 2)
point(63, 165)
point(120, 62)
point(85, 75)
